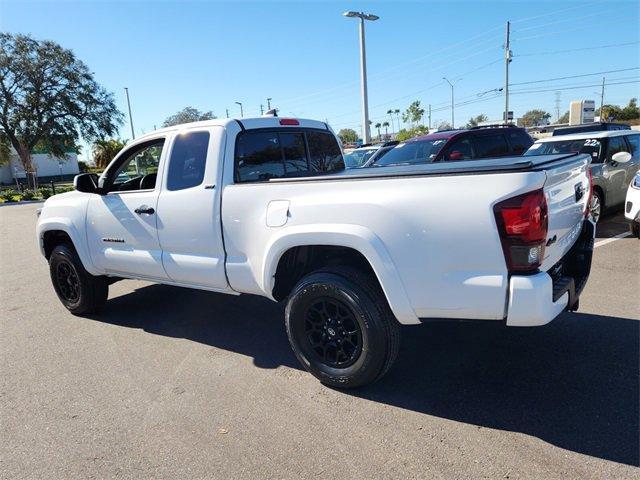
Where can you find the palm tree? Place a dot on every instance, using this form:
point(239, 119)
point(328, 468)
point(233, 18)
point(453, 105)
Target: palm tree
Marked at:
point(386, 129)
point(105, 149)
point(378, 125)
point(397, 112)
point(390, 113)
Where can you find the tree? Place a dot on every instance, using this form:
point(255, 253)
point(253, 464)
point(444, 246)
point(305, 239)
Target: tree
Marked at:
point(348, 135)
point(405, 134)
point(386, 129)
point(390, 113)
point(444, 126)
point(104, 150)
point(413, 114)
point(475, 121)
point(564, 118)
point(535, 117)
point(188, 115)
point(378, 126)
point(49, 98)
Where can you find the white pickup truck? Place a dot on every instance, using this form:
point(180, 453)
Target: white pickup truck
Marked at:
point(264, 206)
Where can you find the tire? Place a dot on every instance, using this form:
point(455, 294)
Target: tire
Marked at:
point(634, 227)
point(341, 328)
point(596, 208)
point(79, 291)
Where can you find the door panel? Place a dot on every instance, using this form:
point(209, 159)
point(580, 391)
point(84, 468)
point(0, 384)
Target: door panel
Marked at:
point(189, 210)
point(615, 173)
point(122, 224)
point(122, 241)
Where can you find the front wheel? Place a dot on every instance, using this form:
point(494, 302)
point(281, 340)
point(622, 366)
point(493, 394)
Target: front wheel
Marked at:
point(79, 291)
point(341, 328)
point(596, 206)
point(634, 227)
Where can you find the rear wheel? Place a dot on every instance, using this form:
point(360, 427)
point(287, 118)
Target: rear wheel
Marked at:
point(79, 291)
point(635, 229)
point(341, 328)
point(596, 206)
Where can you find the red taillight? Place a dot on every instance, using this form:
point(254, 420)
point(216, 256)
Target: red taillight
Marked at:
point(289, 121)
point(523, 225)
point(587, 207)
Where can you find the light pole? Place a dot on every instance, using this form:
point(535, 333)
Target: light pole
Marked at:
point(447, 80)
point(241, 112)
point(366, 136)
point(133, 135)
point(269, 103)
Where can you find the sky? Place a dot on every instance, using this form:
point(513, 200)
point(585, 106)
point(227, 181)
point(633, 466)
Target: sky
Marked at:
point(305, 55)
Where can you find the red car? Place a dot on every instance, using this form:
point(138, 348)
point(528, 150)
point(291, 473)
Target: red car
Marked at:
point(456, 145)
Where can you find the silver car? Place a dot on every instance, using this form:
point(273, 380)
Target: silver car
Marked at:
point(615, 159)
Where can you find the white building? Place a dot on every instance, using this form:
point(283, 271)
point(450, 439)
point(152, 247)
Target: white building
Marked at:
point(47, 168)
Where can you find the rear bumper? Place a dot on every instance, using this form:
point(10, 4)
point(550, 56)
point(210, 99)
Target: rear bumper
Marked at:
point(537, 299)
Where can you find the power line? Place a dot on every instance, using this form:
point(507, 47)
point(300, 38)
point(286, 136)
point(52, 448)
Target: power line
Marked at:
point(564, 20)
point(555, 12)
point(576, 76)
point(574, 87)
point(554, 52)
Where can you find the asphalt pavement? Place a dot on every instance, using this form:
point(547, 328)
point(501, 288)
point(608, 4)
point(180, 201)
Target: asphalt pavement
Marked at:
point(175, 383)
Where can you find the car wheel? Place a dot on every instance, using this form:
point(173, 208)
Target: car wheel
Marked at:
point(635, 229)
point(596, 206)
point(341, 328)
point(79, 291)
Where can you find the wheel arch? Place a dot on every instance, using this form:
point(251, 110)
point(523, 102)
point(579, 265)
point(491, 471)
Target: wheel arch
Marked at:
point(356, 245)
point(54, 232)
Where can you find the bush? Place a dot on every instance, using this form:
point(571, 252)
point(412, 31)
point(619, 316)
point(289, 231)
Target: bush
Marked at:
point(10, 195)
point(44, 193)
point(28, 194)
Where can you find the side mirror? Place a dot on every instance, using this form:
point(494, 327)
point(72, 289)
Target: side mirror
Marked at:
point(86, 182)
point(621, 157)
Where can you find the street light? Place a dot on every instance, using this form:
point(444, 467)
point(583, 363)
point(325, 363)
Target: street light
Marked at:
point(447, 80)
point(366, 136)
point(269, 103)
point(241, 112)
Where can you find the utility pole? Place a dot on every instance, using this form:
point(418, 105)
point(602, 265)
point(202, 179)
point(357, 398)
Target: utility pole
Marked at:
point(430, 117)
point(133, 135)
point(366, 135)
point(241, 111)
point(602, 101)
point(451, 84)
point(227, 110)
point(507, 61)
point(269, 103)
point(261, 110)
point(557, 107)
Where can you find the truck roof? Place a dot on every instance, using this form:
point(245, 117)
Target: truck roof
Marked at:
point(246, 123)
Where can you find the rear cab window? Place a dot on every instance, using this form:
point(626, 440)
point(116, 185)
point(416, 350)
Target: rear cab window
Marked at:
point(494, 145)
point(262, 155)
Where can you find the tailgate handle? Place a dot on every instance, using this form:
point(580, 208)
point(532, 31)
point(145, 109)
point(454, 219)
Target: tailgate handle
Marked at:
point(552, 240)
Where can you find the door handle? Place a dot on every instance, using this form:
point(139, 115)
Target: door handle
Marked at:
point(144, 209)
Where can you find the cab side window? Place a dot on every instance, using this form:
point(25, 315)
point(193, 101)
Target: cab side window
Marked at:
point(460, 150)
point(139, 170)
point(616, 144)
point(520, 142)
point(634, 143)
point(188, 160)
point(491, 146)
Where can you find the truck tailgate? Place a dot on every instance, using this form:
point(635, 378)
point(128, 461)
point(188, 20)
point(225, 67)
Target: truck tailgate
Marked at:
point(567, 190)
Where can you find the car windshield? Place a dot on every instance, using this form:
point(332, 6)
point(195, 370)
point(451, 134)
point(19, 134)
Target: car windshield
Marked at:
point(409, 153)
point(358, 157)
point(590, 146)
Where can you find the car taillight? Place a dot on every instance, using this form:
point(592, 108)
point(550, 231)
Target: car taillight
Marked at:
point(523, 225)
point(289, 121)
point(588, 205)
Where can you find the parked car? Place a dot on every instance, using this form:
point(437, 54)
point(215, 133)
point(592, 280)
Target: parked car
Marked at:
point(615, 158)
point(590, 127)
point(632, 206)
point(458, 145)
point(359, 157)
point(265, 206)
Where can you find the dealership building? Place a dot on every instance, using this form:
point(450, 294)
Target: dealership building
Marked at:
point(47, 168)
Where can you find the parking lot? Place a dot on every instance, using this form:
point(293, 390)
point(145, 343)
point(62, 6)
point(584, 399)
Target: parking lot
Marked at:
point(170, 382)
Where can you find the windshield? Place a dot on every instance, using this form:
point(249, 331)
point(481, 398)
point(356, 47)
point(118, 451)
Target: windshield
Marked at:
point(421, 151)
point(358, 158)
point(590, 146)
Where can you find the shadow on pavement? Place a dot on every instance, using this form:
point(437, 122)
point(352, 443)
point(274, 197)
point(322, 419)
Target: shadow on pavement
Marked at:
point(573, 383)
point(611, 224)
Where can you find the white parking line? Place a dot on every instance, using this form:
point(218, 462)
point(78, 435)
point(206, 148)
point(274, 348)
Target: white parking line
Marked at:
point(612, 239)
